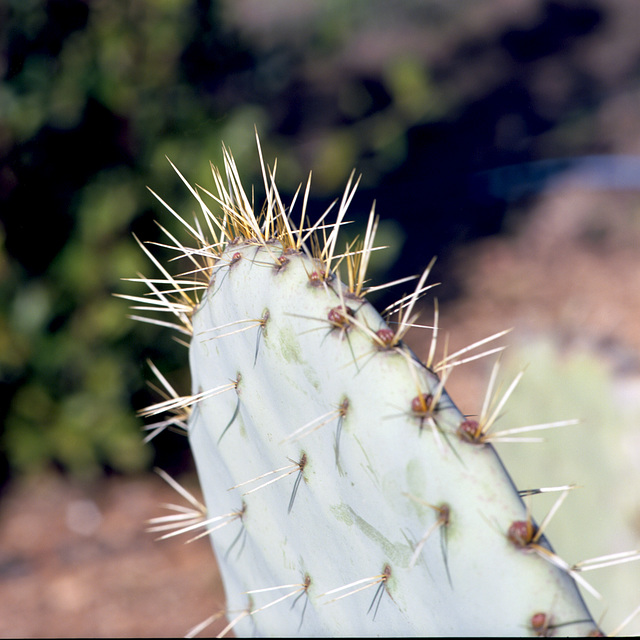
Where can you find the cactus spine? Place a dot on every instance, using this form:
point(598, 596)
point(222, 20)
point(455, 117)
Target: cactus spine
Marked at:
point(345, 492)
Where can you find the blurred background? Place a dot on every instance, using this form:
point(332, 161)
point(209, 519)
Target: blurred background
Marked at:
point(502, 136)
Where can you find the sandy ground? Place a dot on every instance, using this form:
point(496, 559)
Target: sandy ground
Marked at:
point(75, 561)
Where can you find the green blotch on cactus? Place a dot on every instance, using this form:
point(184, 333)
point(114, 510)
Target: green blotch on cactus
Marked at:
point(290, 347)
point(394, 550)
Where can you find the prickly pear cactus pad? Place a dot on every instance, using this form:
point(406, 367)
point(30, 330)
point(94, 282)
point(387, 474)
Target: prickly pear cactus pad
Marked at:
point(345, 494)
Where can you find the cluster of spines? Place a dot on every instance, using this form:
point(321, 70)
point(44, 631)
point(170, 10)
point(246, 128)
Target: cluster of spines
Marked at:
point(274, 231)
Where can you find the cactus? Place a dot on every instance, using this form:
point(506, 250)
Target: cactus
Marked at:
point(345, 492)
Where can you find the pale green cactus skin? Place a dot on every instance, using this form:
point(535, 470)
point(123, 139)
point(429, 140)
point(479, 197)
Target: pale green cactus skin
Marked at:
point(369, 476)
point(346, 494)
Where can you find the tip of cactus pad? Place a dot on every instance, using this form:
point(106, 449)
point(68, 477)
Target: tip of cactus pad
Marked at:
point(344, 491)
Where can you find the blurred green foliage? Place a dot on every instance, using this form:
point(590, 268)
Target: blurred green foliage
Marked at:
point(93, 96)
point(69, 358)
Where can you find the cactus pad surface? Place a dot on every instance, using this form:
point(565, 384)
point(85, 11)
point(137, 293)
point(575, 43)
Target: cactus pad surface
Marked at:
point(345, 493)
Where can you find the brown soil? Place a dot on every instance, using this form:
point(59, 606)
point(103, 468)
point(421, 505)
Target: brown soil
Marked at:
point(75, 561)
